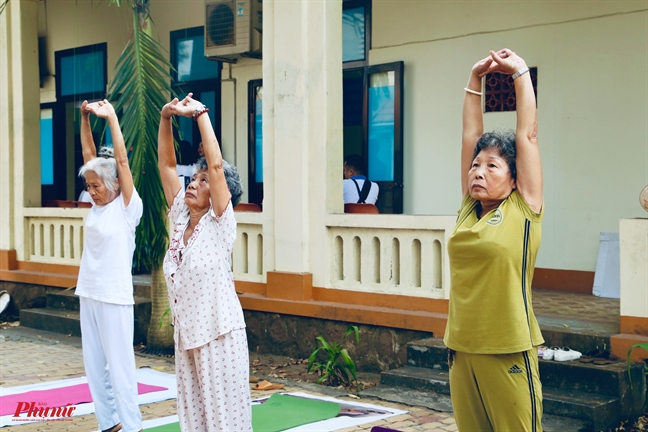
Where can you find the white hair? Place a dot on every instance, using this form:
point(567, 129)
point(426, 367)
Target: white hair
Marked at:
point(105, 168)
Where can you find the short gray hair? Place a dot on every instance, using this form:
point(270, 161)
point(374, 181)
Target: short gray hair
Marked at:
point(231, 177)
point(104, 166)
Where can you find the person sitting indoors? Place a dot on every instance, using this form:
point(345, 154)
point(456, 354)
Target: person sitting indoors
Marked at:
point(357, 188)
point(186, 156)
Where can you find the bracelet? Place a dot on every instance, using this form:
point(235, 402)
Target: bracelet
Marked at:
point(200, 112)
point(473, 91)
point(520, 72)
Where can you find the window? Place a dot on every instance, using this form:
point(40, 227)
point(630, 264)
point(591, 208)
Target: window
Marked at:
point(500, 93)
point(81, 71)
point(80, 75)
point(356, 32)
point(47, 147)
point(372, 113)
point(372, 127)
point(194, 73)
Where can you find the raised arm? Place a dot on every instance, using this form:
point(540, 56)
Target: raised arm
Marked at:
point(220, 194)
point(105, 110)
point(527, 159)
point(166, 154)
point(88, 147)
point(473, 122)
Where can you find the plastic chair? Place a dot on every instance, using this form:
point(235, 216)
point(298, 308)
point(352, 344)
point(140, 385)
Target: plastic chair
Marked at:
point(64, 203)
point(247, 207)
point(360, 208)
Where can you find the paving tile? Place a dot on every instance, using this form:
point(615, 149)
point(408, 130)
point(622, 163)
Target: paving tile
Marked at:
point(64, 361)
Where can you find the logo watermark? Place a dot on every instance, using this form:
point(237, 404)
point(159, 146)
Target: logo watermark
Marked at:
point(39, 412)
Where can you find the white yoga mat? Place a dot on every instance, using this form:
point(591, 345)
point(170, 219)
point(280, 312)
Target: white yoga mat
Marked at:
point(144, 376)
point(333, 424)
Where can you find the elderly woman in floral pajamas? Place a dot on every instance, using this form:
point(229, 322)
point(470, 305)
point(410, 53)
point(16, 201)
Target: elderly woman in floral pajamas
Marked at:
point(212, 360)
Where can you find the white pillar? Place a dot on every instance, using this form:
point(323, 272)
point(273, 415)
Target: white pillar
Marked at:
point(302, 132)
point(633, 249)
point(20, 184)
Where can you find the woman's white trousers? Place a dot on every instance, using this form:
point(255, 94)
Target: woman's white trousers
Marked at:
point(109, 359)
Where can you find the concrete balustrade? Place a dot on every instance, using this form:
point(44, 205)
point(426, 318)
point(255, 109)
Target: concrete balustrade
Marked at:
point(54, 235)
point(390, 254)
point(247, 257)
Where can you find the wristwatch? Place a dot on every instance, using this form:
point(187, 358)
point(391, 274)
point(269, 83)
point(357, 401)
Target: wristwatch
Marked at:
point(520, 72)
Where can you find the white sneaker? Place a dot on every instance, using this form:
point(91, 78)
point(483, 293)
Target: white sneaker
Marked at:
point(549, 353)
point(567, 354)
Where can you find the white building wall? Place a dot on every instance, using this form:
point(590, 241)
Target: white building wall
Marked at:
point(592, 60)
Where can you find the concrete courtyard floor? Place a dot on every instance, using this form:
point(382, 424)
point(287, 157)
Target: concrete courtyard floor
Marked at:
point(30, 356)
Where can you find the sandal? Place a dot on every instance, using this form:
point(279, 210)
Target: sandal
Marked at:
point(267, 385)
point(591, 356)
point(606, 358)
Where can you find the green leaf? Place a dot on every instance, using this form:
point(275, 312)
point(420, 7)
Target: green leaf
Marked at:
point(638, 345)
point(166, 312)
point(349, 363)
point(325, 344)
point(352, 329)
point(311, 359)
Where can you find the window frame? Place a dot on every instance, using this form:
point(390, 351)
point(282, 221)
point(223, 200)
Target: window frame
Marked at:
point(51, 192)
point(397, 184)
point(196, 86)
point(71, 52)
point(351, 4)
point(255, 189)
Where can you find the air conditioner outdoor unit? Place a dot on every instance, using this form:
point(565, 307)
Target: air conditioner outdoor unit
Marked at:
point(233, 29)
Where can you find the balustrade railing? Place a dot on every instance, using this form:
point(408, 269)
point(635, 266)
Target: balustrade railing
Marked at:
point(54, 235)
point(391, 254)
point(247, 257)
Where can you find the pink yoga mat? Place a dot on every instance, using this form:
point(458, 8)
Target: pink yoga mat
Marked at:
point(59, 397)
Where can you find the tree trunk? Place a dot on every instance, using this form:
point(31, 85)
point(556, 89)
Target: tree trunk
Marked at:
point(159, 338)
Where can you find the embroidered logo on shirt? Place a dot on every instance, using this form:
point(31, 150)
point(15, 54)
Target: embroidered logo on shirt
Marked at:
point(496, 219)
point(515, 369)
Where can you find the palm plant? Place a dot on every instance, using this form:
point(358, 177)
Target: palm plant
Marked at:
point(139, 90)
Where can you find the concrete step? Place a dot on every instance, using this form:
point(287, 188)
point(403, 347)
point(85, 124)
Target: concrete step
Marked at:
point(417, 378)
point(601, 411)
point(66, 321)
point(62, 300)
point(609, 379)
point(54, 320)
point(596, 411)
point(441, 402)
point(579, 335)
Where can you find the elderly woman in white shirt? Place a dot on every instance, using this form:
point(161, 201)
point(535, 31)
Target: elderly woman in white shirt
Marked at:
point(105, 284)
point(211, 353)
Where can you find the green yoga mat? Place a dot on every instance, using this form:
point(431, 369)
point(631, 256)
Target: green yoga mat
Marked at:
point(282, 412)
point(278, 413)
point(173, 427)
